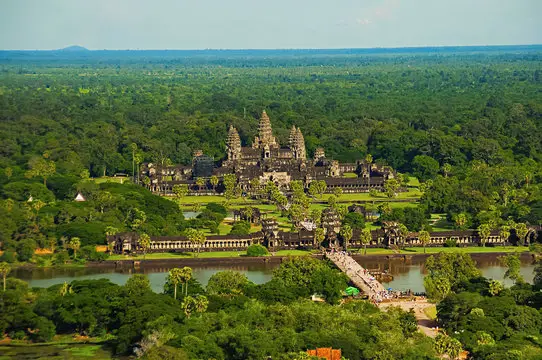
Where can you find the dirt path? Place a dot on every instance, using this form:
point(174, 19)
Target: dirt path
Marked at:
point(425, 324)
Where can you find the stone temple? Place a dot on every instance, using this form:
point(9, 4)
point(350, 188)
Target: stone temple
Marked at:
point(265, 160)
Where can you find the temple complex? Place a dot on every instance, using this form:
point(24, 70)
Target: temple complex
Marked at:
point(265, 160)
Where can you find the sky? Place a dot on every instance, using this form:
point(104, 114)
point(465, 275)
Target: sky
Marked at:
point(269, 24)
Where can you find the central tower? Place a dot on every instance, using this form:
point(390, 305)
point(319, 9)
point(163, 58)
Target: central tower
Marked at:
point(265, 138)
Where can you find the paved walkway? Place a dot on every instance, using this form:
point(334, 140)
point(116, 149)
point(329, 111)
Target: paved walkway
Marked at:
point(357, 274)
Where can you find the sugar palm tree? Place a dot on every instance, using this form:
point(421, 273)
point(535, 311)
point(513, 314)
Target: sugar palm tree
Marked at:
point(424, 238)
point(201, 303)
point(196, 237)
point(484, 231)
point(74, 243)
point(214, 182)
point(144, 242)
point(346, 233)
point(365, 238)
point(175, 277)
point(504, 233)
point(5, 269)
point(186, 276)
point(368, 162)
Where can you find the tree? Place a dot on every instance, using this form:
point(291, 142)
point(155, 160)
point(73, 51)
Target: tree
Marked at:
point(144, 241)
point(346, 233)
point(230, 182)
point(332, 201)
point(484, 231)
point(137, 285)
point(446, 169)
point(521, 231)
point(201, 303)
point(175, 277)
point(185, 276)
point(255, 250)
point(317, 187)
point(391, 186)
point(254, 185)
point(188, 305)
point(319, 236)
point(446, 271)
point(513, 265)
point(133, 147)
point(425, 167)
point(460, 220)
point(446, 345)
point(74, 243)
point(337, 191)
point(365, 238)
point(537, 280)
point(505, 233)
point(5, 269)
point(214, 182)
point(424, 238)
point(495, 287)
point(196, 237)
point(41, 167)
point(200, 182)
point(227, 283)
point(180, 190)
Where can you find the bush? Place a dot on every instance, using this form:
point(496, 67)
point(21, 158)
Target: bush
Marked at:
point(450, 243)
point(89, 253)
point(9, 256)
point(25, 250)
point(240, 228)
point(61, 257)
point(257, 250)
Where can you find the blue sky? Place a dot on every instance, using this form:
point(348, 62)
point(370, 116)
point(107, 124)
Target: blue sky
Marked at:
point(269, 24)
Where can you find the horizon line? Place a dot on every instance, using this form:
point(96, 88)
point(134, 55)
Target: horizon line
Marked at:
point(278, 48)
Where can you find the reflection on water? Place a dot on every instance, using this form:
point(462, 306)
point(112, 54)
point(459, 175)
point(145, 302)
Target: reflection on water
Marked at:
point(407, 274)
point(45, 277)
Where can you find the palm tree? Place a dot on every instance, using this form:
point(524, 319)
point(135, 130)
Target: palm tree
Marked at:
point(175, 277)
point(188, 305)
point(5, 268)
point(186, 275)
point(145, 242)
point(346, 233)
point(200, 182)
point(133, 147)
point(214, 182)
point(484, 231)
point(319, 236)
point(201, 304)
point(74, 243)
point(365, 238)
point(521, 231)
point(505, 232)
point(424, 238)
point(196, 237)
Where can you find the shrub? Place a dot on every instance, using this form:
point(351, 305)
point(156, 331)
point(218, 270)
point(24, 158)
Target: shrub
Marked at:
point(256, 250)
point(450, 243)
point(9, 256)
point(240, 228)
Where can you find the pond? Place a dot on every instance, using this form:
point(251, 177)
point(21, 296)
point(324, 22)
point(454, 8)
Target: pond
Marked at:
point(406, 274)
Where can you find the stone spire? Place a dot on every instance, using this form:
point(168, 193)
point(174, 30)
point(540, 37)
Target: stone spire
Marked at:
point(293, 138)
point(301, 153)
point(265, 133)
point(233, 144)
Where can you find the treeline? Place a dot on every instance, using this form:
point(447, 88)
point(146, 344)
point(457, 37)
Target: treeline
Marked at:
point(231, 318)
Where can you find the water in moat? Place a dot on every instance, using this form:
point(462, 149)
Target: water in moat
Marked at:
point(407, 274)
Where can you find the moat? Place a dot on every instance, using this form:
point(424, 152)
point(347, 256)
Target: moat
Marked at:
point(407, 274)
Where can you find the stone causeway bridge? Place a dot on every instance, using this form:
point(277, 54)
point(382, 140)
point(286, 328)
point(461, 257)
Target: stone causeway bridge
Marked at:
point(361, 278)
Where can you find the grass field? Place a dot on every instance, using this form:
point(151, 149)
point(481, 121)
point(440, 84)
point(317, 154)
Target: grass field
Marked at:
point(370, 251)
point(431, 312)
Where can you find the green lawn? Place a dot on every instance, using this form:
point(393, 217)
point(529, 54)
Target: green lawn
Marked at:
point(203, 255)
point(431, 312)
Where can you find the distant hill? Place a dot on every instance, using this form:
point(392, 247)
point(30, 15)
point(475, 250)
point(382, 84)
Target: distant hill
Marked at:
point(74, 48)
